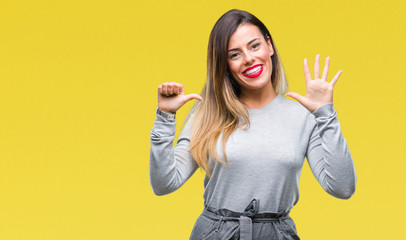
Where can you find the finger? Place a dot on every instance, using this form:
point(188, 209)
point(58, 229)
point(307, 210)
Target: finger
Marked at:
point(170, 88)
point(317, 67)
point(175, 89)
point(165, 89)
point(180, 88)
point(308, 77)
point(193, 96)
point(325, 70)
point(160, 89)
point(295, 96)
point(333, 82)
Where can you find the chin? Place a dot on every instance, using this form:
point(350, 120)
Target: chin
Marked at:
point(259, 84)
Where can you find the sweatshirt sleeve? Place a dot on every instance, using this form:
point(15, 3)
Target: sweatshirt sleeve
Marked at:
point(328, 154)
point(169, 166)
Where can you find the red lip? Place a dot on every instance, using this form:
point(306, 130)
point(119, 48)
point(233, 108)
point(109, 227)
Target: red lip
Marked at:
point(255, 74)
point(252, 67)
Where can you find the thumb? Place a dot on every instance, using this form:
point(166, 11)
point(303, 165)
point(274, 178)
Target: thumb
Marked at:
point(295, 96)
point(192, 96)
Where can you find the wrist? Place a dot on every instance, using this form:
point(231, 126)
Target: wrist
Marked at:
point(325, 110)
point(165, 114)
point(165, 110)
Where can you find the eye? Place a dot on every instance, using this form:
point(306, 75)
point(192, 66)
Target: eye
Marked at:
point(234, 55)
point(255, 46)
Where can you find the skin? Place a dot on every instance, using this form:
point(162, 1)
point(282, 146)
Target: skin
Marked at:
point(171, 97)
point(318, 90)
point(248, 47)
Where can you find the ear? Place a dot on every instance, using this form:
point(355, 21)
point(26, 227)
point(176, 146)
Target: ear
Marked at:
point(269, 44)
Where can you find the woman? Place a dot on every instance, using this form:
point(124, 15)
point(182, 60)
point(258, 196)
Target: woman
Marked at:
point(249, 138)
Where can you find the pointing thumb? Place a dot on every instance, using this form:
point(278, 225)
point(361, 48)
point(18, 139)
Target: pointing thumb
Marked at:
point(193, 96)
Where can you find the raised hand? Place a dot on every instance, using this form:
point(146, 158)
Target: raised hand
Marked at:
point(318, 91)
point(171, 97)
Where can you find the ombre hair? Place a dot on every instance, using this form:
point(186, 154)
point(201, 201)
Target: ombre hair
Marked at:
point(222, 112)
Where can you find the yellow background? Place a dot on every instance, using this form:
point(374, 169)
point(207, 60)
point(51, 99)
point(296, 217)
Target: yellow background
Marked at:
point(78, 84)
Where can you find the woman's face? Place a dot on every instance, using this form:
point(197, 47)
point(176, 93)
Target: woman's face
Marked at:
point(249, 58)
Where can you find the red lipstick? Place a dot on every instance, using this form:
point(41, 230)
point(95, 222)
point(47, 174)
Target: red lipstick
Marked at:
point(254, 75)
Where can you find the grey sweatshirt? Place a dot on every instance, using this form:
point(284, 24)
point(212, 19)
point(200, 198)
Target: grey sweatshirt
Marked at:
point(265, 161)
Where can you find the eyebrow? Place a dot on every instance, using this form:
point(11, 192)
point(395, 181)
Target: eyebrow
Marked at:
point(235, 49)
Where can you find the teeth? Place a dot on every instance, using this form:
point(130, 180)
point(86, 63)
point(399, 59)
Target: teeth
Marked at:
point(254, 70)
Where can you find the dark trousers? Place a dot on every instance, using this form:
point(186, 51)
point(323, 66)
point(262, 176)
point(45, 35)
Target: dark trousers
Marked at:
point(225, 224)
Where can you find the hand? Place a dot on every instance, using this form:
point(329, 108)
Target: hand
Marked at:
point(318, 91)
point(171, 97)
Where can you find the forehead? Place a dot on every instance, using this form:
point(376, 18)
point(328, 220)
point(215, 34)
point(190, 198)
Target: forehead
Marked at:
point(244, 34)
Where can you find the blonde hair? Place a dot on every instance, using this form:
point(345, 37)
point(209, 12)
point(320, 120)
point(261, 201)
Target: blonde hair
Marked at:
point(222, 112)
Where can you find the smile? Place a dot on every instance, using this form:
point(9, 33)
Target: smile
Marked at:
point(253, 72)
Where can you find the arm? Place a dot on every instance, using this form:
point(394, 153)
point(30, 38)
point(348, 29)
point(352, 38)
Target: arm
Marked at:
point(170, 167)
point(327, 151)
point(328, 154)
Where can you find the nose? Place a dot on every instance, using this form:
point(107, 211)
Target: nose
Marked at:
point(248, 59)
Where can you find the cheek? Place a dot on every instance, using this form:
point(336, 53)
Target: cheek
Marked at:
point(233, 67)
point(266, 54)
point(267, 58)
point(234, 71)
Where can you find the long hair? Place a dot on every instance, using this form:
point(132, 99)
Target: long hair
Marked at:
point(221, 112)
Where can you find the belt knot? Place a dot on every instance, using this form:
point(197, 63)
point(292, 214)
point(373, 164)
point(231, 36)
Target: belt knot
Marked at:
point(246, 221)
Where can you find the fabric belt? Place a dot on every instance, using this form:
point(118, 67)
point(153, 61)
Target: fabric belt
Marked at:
point(245, 219)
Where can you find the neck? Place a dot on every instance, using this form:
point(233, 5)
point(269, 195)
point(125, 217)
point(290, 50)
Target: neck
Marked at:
point(258, 98)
